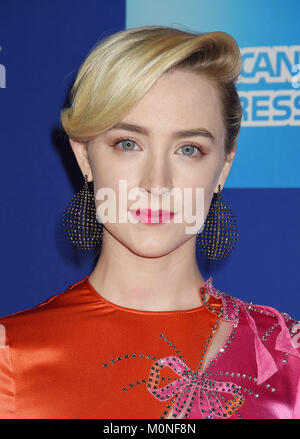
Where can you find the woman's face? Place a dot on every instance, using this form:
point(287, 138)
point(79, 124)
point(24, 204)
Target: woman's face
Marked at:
point(158, 160)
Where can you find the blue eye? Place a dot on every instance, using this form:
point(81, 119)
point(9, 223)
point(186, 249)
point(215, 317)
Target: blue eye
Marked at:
point(127, 145)
point(190, 149)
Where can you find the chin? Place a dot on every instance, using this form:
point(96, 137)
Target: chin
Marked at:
point(150, 250)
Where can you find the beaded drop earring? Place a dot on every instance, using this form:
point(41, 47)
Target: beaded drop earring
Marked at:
point(220, 233)
point(80, 221)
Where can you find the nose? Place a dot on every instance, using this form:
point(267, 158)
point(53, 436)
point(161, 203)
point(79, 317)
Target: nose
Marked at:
point(157, 179)
point(159, 191)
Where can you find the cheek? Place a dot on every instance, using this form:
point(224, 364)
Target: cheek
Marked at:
point(107, 171)
point(197, 189)
point(202, 178)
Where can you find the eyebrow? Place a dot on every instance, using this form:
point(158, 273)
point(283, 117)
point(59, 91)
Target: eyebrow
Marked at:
point(203, 132)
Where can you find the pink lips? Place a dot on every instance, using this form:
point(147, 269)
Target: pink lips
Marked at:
point(148, 216)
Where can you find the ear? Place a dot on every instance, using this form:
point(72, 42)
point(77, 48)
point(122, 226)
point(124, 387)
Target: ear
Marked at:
point(81, 154)
point(226, 168)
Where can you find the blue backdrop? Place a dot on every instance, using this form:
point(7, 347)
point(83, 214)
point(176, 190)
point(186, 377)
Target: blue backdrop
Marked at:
point(42, 44)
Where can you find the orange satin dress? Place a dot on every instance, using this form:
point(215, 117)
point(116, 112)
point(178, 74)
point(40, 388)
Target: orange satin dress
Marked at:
point(77, 355)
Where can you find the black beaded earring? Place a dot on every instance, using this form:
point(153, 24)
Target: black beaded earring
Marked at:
point(80, 221)
point(220, 233)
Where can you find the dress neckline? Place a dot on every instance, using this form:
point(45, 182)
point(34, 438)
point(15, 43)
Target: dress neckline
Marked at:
point(207, 284)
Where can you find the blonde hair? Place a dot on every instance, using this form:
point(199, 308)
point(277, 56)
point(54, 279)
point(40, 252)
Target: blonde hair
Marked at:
point(119, 71)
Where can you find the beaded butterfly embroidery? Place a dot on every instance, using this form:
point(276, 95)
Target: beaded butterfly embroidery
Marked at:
point(192, 394)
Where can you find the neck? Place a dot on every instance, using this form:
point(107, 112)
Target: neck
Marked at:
point(155, 283)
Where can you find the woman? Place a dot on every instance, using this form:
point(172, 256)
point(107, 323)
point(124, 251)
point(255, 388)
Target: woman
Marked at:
point(145, 335)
